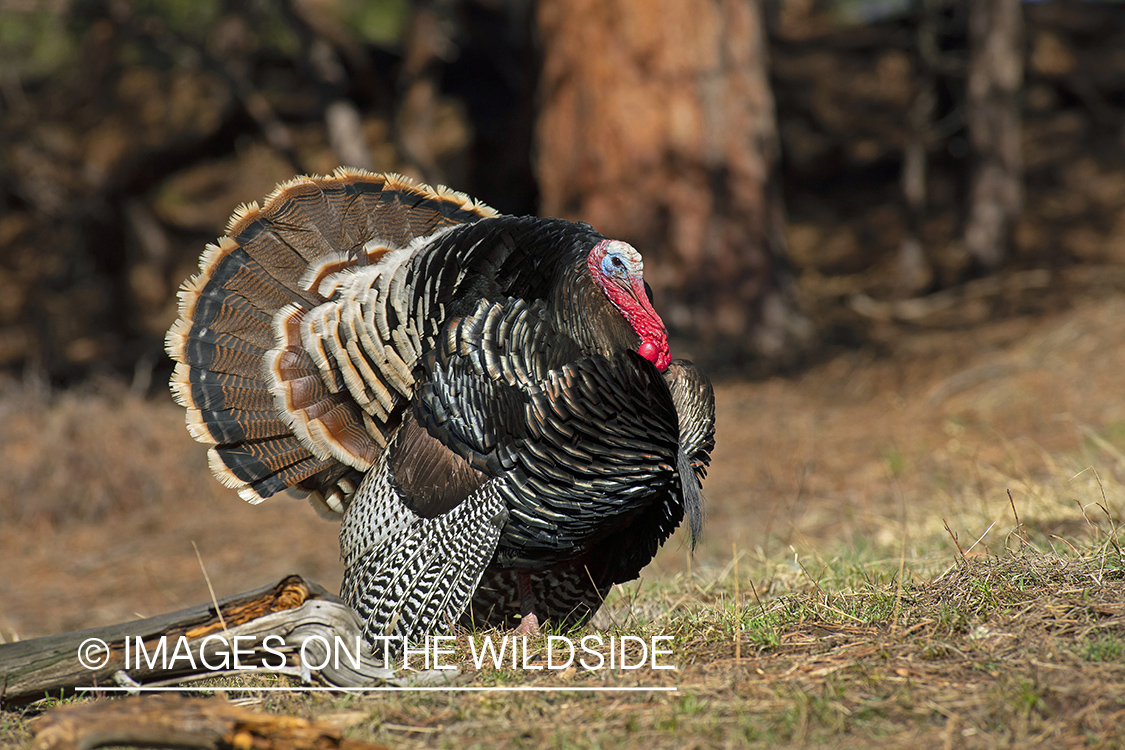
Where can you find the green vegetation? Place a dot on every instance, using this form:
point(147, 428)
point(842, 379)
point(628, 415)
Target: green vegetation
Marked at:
point(893, 604)
point(1009, 648)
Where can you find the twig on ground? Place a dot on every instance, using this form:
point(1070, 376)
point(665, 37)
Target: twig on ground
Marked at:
point(980, 538)
point(210, 588)
point(957, 543)
point(1019, 526)
point(1113, 529)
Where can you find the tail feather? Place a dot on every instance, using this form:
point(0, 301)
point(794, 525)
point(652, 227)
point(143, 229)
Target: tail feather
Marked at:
point(200, 389)
point(324, 416)
point(236, 425)
point(232, 314)
point(209, 335)
point(276, 417)
point(270, 465)
point(282, 250)
point(307, 220)
point(403, 214)
point(217, 358)
point(264, 281)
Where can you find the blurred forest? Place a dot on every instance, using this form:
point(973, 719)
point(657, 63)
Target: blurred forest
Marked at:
point(800, 174)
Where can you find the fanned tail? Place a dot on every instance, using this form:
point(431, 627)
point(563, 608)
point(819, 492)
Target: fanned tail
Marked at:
point(274, 417)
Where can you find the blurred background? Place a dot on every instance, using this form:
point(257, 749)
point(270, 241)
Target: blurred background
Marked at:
point(813, 183)
point(799, 173)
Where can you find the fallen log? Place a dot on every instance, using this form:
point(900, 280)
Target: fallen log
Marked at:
point(289, 628)
point(177, 722)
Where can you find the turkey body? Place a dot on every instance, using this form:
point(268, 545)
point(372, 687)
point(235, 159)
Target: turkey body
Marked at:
point(487, 401)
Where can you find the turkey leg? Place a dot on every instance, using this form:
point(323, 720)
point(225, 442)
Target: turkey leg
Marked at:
point(529, 623)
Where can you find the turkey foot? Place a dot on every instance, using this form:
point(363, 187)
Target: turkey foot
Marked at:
point(529, 625)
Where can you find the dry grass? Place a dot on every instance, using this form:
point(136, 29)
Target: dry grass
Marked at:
point(852, 617)
point(90, 454)
point(962, 648)
point(1022, 650)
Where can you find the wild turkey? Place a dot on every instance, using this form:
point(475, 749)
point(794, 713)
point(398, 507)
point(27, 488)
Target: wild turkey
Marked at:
point(488, 401)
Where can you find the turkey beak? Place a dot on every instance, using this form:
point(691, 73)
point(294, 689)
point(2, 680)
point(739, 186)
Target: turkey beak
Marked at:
point(639, 292)
point(654, 348)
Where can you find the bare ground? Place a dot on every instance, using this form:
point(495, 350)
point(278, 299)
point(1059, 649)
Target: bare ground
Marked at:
point(858, 621)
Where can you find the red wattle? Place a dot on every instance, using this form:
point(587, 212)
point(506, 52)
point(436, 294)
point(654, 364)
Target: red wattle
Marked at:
point(629, 296)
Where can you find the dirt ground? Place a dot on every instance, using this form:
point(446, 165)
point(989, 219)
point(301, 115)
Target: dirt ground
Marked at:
point(106, 499)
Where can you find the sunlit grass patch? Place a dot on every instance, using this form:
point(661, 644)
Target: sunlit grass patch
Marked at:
point(844, 649)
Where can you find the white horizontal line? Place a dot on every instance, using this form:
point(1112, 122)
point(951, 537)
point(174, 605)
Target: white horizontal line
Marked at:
point(389, 689)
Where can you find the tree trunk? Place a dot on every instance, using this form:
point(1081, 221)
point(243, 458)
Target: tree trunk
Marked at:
point(657, 127)
point(913, 272)
point(995, 78)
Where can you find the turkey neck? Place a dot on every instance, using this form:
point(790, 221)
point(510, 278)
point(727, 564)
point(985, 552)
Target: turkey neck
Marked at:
point(584, 312)
point(533, 259)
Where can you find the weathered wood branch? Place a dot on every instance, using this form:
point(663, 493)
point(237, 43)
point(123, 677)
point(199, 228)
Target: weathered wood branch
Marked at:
point(178, 722)
point(301, 619)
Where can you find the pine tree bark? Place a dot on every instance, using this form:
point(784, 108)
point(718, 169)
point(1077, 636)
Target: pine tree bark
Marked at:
point(996, 41)
point(657, 126)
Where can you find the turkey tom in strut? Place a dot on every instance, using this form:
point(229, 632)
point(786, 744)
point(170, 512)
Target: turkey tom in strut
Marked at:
point(489, 402)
